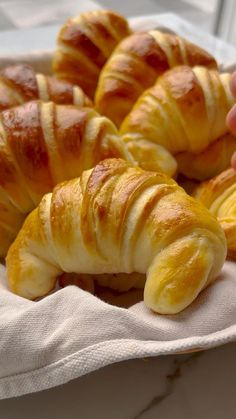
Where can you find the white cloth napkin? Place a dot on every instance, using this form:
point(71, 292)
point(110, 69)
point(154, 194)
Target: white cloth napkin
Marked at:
point(71, 333)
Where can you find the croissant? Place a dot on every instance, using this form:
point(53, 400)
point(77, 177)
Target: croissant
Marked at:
point(185, 111)
point(19, 84)
point(135, 65)
point(219, 195)
point(119, 218)
point(210, 162)
point(42, 144)
point(84, 44)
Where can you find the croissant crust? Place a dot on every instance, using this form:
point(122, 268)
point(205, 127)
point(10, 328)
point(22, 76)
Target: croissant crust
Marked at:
point(85, 43)
point(135, 65)
point(219, 195)
point(20, 83)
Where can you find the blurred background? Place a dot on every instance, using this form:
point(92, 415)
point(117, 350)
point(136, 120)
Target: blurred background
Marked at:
point(217, 17)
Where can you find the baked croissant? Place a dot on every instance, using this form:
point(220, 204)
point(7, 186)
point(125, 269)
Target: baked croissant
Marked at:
point(135, 65)
point(84, 44)
point(185, 111)
point(119, 218)
point(42, 144)
point(219, 195)
point(210, 162)
point(20, 83)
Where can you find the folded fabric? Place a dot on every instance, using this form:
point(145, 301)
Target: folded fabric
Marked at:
point(71, 333)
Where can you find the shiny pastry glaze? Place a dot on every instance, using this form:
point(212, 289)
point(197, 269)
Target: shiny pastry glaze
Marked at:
point(20, 83)
point(185, 111)
point(85, 43)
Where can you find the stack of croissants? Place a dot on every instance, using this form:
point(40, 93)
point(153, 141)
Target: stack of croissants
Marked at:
point(96, 159)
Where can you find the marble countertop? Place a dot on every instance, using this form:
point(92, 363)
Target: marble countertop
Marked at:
point(199, 385)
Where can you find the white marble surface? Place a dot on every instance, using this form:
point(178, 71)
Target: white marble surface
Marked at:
point(196, 386)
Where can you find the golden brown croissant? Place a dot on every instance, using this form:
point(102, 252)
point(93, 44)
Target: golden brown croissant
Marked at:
point(119, 218)
point(210, 162)
point(20, 83)
point(185, 111)
point(85, 43)
point(42, 144)
point(219, 195)
point(135, 65)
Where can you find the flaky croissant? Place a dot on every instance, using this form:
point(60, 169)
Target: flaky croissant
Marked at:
point(42, 144)
point(20, 83)
point(210, 162)
point(119, 218)
point(84, 44)
point(185, 111)
point(135, 65)
point(219, 195)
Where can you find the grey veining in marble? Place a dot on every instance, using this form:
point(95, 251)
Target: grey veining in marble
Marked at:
point(171, 381)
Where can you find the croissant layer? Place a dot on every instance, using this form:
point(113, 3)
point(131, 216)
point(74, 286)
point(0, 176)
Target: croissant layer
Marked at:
point(184, 111)
point(85, 43)
point(20, 83)
point(219, 195)
point(135, 65)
